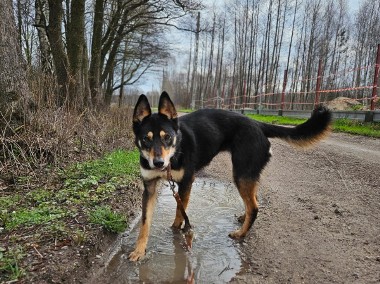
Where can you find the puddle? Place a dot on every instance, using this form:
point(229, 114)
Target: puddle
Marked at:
point(215, 258)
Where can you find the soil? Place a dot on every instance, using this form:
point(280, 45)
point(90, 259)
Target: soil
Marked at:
point(344, 103)
point(67, 260)
point(318, 220)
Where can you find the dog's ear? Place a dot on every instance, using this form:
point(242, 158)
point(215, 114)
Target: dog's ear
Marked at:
point(142, 109)
point(166, 106)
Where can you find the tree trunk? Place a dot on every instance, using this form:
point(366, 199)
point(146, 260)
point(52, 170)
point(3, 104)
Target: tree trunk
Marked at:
point(210, 61)
point(75, 52)
point(15, 97)
point(44, 46)
point(195, 65)
point(95, 65)
point(61, 62)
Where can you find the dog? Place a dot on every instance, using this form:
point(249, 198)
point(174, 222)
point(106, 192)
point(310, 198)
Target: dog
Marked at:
point(188, 143)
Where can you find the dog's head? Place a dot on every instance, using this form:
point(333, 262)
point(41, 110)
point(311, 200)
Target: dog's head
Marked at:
point(156, 135)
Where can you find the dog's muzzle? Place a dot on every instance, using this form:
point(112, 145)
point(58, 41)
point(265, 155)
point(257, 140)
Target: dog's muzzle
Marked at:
point(158, 162)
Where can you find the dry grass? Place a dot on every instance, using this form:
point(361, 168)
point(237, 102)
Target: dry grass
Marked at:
point(55, 137)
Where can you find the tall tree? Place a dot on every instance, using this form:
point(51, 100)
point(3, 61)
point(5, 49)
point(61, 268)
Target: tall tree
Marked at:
point(96, 51)
point(195, 62)
point(75, 52)
point(60, 58)
point(15, 96)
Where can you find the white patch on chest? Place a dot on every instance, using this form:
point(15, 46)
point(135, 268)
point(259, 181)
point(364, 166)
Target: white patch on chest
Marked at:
point(152, 174)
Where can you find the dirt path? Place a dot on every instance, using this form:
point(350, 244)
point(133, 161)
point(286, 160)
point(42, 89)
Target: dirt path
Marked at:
point(319, 214)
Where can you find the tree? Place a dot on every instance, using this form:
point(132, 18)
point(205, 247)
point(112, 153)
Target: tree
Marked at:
point(14, 91)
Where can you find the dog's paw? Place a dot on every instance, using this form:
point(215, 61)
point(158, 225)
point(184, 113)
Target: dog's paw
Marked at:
point(238, 234)
point(136, 255)
point(177, 224)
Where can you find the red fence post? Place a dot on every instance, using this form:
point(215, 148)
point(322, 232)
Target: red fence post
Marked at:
point(318, 87)
point(375, 78)
point(283, 89)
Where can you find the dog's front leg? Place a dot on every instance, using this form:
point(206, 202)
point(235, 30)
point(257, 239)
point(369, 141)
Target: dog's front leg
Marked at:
point(184, 190)
point(148, 203)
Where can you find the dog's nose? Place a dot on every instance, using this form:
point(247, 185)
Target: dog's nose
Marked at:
point(158, 162)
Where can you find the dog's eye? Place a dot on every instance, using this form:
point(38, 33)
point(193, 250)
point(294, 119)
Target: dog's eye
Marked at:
point(146, 140)
point(167, 138)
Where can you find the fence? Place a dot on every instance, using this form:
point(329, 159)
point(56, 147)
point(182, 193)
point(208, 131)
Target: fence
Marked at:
point(292, 101)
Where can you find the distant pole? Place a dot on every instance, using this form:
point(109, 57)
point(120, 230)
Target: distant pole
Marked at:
point(244, 95)
point(232, 95)
point(319, 78)
point(223, 95)
point(375, 78)
point(283, 89)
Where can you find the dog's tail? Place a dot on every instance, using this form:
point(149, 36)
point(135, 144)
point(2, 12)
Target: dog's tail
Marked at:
point(306, 134)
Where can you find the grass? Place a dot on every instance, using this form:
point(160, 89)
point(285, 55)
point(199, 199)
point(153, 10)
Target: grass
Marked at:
point(185, 110)
point(45, 213)
point(110, 220)
point(93, 181)
point(273, 119)
point(10, 263)
point(26, 217)
point(120, 164)
point(84, 184)
point(371, 129)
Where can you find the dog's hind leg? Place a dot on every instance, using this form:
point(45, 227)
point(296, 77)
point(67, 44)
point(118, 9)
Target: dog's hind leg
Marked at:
point(184, 190)
point(248, 192)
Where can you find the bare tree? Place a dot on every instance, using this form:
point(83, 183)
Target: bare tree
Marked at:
point(14, 91)
point(195, 62)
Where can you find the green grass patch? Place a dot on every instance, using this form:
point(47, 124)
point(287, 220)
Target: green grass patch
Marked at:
point(185, 110)
point(9, 201)
point(108, 219)
point(85, 185)
point(10, 264)
point(93, 181)
point(371, 129)
point(27, 217)
point(273, 119)
point(116, 164)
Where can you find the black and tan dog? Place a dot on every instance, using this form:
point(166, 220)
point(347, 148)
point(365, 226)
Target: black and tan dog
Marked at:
point(190, 142)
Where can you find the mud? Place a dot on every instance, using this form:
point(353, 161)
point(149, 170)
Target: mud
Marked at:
point(318, 223)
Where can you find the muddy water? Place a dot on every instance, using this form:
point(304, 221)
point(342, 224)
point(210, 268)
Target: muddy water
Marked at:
point(214, 258)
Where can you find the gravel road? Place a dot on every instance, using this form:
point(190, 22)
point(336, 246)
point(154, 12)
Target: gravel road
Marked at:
point(319, 214)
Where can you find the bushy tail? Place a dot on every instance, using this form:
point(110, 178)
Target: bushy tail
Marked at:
point(306, 134)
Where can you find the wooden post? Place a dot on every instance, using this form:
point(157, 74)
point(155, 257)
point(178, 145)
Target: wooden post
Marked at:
point(375, 78)
point(283, 89)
